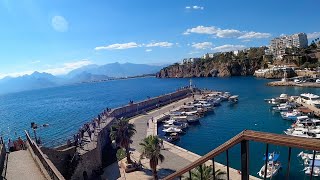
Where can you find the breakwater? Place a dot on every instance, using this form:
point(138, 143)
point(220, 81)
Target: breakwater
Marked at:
point(96, 151)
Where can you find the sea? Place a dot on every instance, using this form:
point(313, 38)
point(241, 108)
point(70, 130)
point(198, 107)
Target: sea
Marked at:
point(67, 108)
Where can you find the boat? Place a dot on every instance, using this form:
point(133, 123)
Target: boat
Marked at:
point(273, 166)
point(316, 168)
point(283, 98)
point(179, 118)
point(172, 130)
point(233, 99)
point(310, 99)
point(283, 107)
point(179, 125)
point(307, 122)
point(318, 81)
point(173, 137)
point(306, 157)
point(291, 115)
point(192, 118)
point(303, 132)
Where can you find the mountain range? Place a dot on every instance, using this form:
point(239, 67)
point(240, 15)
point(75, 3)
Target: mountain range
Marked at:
point(87, 73)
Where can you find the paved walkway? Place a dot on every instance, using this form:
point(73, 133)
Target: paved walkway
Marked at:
point(22, 166)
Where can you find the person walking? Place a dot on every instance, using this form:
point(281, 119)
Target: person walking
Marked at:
point(11, 145)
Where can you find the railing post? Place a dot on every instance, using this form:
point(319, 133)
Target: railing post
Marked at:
point(288, 168)
point(213, 170)
point(227, 152)
point(244, 160)
point(201, 172)
point(313, 159)
point(190, 176)
point(266, 162)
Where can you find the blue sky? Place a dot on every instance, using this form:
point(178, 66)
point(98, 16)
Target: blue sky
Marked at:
point(58, 36)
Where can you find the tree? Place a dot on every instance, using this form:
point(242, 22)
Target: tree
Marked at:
point(151, 149)
point(206, 172)
point(122, 132)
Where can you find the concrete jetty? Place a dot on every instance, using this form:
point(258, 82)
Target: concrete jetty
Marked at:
point(175, 156)
point(291, 83)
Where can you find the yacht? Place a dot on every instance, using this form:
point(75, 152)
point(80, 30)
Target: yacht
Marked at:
point(316, 168)
point(310, 99)
point(283, 98)
point(303, 132)
point(293, 115)
point(172, 130)
point(273, 166)
point(233, 99)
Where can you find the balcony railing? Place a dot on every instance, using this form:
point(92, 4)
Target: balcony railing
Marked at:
point(243, 139)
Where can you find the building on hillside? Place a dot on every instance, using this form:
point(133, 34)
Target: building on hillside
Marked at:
point(278, 45)
point(190, 60)
point(208, 56)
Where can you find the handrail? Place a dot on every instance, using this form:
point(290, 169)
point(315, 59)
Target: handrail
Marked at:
point(263, 137)
point(48, 165)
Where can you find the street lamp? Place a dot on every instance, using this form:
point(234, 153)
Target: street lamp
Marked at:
point(34, 126)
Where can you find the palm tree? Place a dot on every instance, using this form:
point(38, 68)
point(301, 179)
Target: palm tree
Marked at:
point(204, 172)
point(122, 132)
point(151, 149)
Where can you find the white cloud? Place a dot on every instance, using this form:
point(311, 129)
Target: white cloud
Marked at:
point(228, 47)
point(226, 33)
point(148, 50)
point(67, 67)
point(195, 7)
point(203, 45)
point(59, 23)
point(58, 70)
point(313, 35)
point(159, 44)
point(118, 46)
point(254, 35)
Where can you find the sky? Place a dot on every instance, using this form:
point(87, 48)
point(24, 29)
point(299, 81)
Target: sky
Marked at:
point(59, 36)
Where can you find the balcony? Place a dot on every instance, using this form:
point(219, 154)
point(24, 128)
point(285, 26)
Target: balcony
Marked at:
point(243, 139)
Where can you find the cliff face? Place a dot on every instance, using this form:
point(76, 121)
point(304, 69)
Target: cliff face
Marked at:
point(210, 69)
point(226, 64)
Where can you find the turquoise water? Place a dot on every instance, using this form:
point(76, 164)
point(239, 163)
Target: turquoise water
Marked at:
point(67, 108)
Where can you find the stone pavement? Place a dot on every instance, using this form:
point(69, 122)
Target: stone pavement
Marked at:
point(22, 166)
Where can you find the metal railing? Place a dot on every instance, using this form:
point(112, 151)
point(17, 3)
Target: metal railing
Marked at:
point(243, 139)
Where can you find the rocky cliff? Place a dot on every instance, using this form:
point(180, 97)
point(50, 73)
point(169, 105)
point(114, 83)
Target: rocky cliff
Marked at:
point(221, 65)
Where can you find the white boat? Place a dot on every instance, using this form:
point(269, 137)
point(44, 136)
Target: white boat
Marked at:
point(303, 132)
point(283, 98)
point(297, 81)
point(273, 166)
point(305, 123)
point(316, 168)
point(176, 125)
point(170, 121)
point(172, 130)
point(179, 118)
point(311, 99)
point(309, 156)
point(192, 118)
point(291, 115)
point(233, 99)
point(318, 81)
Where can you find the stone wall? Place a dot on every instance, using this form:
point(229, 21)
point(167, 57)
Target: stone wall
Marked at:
point(149, 104)
point(2, 157)
point(62, 159)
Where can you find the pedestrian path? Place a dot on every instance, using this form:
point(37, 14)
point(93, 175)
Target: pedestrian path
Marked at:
point(22, 166)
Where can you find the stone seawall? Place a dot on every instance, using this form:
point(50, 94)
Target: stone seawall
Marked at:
point(148, 104)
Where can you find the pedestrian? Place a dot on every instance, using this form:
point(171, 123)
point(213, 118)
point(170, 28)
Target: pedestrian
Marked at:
point(11, 145)
point(161, 143)
point(1, 140)
point(148, 123)
point(152, 119)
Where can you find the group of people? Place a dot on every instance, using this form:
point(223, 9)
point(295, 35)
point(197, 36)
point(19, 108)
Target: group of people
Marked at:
point(88, 128)
point(16, 145)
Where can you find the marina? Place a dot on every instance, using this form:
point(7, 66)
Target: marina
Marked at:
point(225, 120)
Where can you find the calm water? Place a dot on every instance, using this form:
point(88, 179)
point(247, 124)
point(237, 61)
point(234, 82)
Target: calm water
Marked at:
point(67, 108)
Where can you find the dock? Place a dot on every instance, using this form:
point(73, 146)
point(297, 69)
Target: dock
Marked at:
point(291, 83)
point(175, 157)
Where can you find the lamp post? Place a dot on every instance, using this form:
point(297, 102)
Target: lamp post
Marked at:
point(34, 126)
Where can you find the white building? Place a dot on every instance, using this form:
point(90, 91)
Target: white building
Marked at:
point(208, 56)
point(190, 60)
point(278, 45)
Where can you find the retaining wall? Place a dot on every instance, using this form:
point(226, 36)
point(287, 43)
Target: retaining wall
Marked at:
point(2, 158)
point(44, 160)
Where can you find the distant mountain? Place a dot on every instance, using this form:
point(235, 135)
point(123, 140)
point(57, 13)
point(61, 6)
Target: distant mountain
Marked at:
point(34, 81)
point(118, 70)
point(88, 73)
